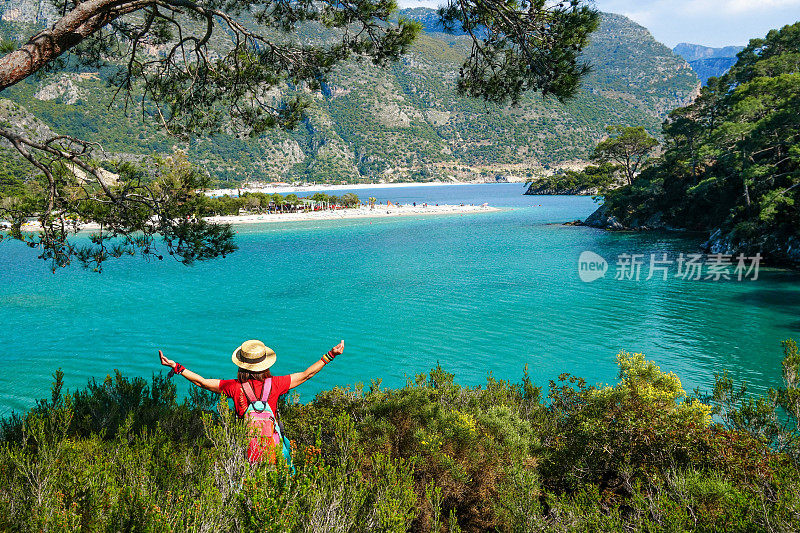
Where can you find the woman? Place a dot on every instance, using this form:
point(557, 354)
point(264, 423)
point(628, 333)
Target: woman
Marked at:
point(254, 360)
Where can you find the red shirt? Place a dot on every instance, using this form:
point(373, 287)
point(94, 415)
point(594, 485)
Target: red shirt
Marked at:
point(233, 389)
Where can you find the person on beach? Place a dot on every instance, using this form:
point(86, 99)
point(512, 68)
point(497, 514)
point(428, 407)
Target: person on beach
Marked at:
point(255, 385)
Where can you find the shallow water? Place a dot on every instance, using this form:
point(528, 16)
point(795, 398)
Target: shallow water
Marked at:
point(487, 292)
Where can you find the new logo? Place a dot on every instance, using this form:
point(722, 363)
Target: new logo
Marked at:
point(591, 266)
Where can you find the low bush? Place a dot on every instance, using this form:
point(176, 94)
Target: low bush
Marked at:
point(126, 455)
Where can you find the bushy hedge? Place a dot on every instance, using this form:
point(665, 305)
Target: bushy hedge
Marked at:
point(125, 455)
point(258, 202)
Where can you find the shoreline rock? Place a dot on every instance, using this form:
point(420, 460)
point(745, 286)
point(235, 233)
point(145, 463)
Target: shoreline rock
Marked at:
point(777, 251)
point(603, 220)
point(774, 250)
point(549, 191)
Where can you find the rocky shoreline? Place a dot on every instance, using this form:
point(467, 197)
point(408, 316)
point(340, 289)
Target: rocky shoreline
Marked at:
point(777, 252)
point(602, 219)
point(546, 190)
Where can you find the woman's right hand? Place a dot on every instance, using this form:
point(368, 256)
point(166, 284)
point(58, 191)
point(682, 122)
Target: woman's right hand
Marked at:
point(166, 362)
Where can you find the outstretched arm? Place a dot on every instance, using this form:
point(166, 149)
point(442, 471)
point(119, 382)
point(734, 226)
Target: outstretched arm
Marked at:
point(197, 379)
point(301, 377)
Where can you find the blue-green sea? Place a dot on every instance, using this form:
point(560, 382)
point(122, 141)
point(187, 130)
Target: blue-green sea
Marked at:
point(479, 293)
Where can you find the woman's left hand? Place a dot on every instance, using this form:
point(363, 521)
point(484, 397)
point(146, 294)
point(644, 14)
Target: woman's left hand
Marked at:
point(339, 348)
point(166, 362)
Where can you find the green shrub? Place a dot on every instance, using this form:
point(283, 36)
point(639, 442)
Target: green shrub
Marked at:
point(433, 456)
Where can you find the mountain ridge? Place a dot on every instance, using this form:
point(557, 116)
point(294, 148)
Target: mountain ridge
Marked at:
point(707, 61)
point(694, 52)
point(405, 122)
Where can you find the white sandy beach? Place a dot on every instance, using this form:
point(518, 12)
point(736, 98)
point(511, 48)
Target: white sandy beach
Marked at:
point(283, 189)
point(357, 212)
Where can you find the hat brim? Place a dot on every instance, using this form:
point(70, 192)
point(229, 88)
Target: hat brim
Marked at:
point(268, 361)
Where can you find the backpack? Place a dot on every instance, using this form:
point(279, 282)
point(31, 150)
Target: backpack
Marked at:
point(265, 429)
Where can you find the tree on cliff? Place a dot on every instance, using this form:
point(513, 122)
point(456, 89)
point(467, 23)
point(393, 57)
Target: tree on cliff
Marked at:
point(626, 146)
point(198, 66)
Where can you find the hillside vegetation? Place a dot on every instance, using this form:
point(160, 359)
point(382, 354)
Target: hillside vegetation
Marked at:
point(433, 456)
point(731, 161)
point(401, 123)
point(592, 180)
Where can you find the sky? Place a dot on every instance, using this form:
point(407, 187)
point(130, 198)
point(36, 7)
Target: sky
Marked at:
point(707, 22)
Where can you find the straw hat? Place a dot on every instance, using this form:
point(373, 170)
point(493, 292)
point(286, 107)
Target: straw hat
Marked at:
point(253, 356)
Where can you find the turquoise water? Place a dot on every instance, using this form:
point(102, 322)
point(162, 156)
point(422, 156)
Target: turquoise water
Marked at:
point(487, 292)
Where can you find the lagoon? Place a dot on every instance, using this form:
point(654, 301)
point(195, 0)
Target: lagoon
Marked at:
point(479, 293)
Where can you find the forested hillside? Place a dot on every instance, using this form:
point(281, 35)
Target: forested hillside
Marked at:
point(401, 123)
point(731, 164)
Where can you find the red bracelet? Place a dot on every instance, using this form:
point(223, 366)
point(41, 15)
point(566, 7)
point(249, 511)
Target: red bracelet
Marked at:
point(179, 368)
point(328, 357)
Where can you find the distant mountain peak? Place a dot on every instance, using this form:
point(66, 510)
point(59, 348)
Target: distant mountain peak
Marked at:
point(693, 52)
point(708, 61)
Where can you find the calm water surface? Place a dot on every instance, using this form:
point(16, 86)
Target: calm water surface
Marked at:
point(479, 293)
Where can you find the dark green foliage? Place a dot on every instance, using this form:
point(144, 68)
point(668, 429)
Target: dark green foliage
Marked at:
point(772, 418)
point(521, 46)
point(628, 147)
point(118, 405)
point(170, 186)
point(731, 160)
point(594, 180)
point(431, 456)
